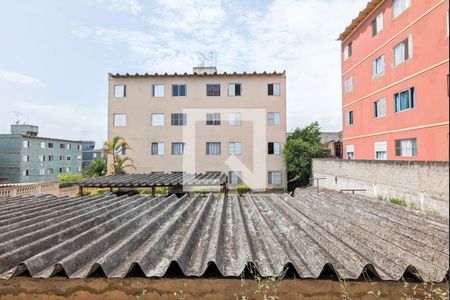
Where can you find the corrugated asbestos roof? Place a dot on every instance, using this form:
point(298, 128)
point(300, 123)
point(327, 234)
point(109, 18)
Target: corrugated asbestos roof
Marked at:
point(216, 74)
point(371, 5)
point(46, 235)
point(155, 179)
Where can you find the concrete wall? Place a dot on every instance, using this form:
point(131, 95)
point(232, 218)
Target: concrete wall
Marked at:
point(426, 184)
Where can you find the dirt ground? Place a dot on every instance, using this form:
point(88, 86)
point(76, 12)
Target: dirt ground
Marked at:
point(197, 288)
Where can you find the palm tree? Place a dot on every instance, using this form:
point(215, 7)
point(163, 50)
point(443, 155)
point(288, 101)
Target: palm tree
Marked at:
point(95, 168)
point(116, 147)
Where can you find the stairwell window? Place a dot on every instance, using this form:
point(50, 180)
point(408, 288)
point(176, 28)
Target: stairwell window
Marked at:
point(378, 67)
point(273, 118)
point(213, 90)
point(235, 177)
point(406, 147)
point(235, 119)
point(273, 89)
point(157, 148)
point(119, 120)
point(177, 148)
point(234, 89)
point(42, 145)
point(25, 172)
point(157, 120)
point(379, 108)
point(213, 119)
point(119, 91)
point(348, 51)
point(274, 177)
point(402, 51)
point(404, 100)
point(158, 90)
point(349, 118)
point(348, 85)
point(213, 148)
point(178, 90)
point(399, 6)
point(26, 144)
point(273, 148)
point(26, 158)
point(234, 148)
point(41, 171)
point(377, 24)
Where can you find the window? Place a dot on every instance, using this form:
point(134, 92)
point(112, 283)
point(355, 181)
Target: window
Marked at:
point(50, 145)
point(402, 51)
point(406, 147)
point(234, 89)
point(50, 171)
point(79, 169)
point(350, 151)
point(213, 119)
point(404, 100)
point(41, 171)
point(377, 24)
point(61, 157)
point(378, 66)
point(120, 120)
point(234, 148)
point(157, 148)
point(273, 118)
point(25, 172)
point(235, 177)
point(26, 144)
point(349, 118)
point(177, 148)
point(94, 155)
point(348, 51)
point(62, 146)
point(79, 147)
point(235, 119)
point(119, 91)
point(41, 157)
point(274, 148)
point(348, 85)
point(379, 108)
point(273, 89)
point(274, 177)
point(61, 170)
point(178, 90)
point(42, 145)
point(68, 157)
point(121, 151)
point(26, 158)
point(69, 146)
point(158, 90)
point(399, 6)
point(178, 119)
point(68, 169)
point(213, 148)
point(213, 90)
point(51, 158)
point(380, 150)
point(157, 120)
point(79, 156)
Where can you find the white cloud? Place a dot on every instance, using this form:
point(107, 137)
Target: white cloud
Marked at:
point(292, 35)
point(132, 6)
point(19, 78)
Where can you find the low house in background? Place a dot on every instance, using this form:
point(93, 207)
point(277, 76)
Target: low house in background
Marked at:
point(90, 153)
point(27, 157)
point(332, 142)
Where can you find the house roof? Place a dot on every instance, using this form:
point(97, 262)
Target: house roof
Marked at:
point(39, 138)
point(113, 235)
point(155, 179)
point(363, 14)
point(216, 74)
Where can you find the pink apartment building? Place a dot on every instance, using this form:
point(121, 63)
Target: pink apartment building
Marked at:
point(395, 66)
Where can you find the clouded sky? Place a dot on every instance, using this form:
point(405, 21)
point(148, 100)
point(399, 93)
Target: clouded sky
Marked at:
point(55, 55)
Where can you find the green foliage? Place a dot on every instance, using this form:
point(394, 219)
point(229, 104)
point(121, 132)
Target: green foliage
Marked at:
point(397, 201)
point(114, 147)
point(65, 178)
point(95, 168)
point(101, 191)
point(242, 189)
point(301, 146)
point(381, 198)
point(413, 206)
point(85, 193)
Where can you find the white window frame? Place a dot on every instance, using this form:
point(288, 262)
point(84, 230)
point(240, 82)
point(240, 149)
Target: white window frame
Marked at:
point(273, 118)
point(26, 158)
point(41, 171)
point(158, 90)
point(235, 119)
point(179, 145)
point(41, 157)
point(350, 149)
point(378, 149)
point(410, 151)
point(178, 85)
point(25, 172)
point(378, 66)
point(276, 89)
point(234, 148)
point(274, 177)
point(120, 91)
point(379, 24)
point(348, 51)
point(119, 120)
point(158, 120)
point(235, 177)
point(402, 6)
point(232, 89)
point(26, 144)
point(42, 145)
point(377, 113)
point(400, 48)
point(214, 118)
point(348, 85)
point(349, 118)
point(159, 148)
point(209, 148)
point(276, 148)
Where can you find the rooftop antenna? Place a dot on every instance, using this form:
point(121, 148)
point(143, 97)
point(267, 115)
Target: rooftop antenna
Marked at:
point(84, 134)
point(17, 113)
point(208, 58)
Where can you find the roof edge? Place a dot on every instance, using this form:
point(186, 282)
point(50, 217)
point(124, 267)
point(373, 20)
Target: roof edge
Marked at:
point(216, 74)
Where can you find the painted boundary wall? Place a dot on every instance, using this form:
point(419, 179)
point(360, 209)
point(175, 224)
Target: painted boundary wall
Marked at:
point(422, 183)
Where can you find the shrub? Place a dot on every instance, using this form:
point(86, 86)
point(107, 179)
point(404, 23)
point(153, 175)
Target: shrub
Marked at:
point(145, 191)
point(397, 201)
point(66, 179)
point(242, 189)
point(85, 193)
point(101, 191)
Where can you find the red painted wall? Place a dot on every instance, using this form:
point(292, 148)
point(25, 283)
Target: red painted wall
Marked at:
point(426, 71)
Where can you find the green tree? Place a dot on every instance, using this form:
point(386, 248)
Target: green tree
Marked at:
point(95, 168)
point(65, 179)
point(115, 147)
point(301, 146)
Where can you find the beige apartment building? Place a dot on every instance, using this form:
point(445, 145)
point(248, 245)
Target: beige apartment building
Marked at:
point(203, 122)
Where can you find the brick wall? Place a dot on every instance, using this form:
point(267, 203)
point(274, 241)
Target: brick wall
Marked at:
point(424, 183)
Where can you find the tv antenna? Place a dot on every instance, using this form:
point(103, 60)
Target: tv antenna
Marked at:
point(208, 58)
point(17, 113)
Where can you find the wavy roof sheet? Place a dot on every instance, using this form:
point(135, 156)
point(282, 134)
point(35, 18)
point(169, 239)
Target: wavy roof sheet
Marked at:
point(47, 235)
point(216, 74)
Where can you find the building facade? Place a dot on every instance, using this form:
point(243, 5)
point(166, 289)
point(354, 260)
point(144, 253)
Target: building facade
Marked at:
point(26, 157)
point(395, 66)
point(90, 153)
point(203, 122)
